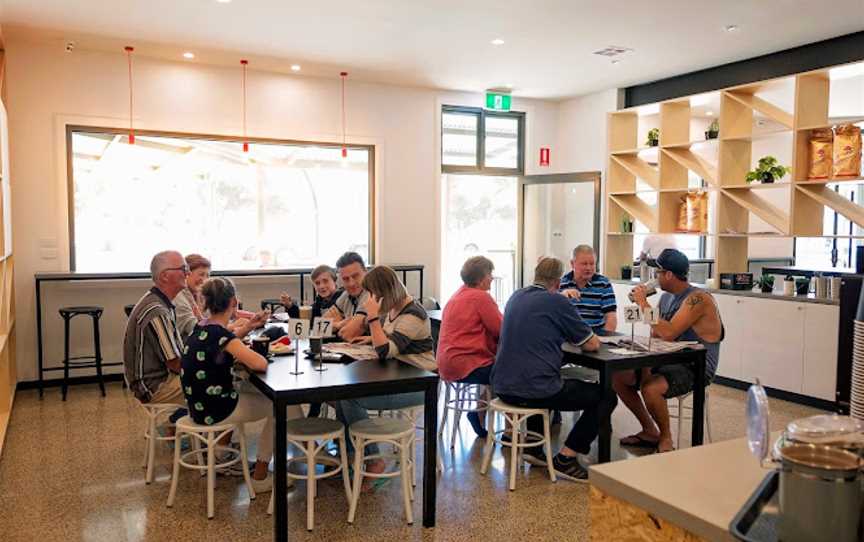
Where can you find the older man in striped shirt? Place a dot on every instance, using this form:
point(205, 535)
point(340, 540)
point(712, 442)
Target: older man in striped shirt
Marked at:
point(589, 291)
point(152, 345)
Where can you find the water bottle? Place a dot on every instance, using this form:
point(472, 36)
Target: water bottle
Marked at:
point(650, 289)
point(643, 267)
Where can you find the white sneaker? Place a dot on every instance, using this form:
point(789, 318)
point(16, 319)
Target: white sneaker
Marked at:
point(263, 486)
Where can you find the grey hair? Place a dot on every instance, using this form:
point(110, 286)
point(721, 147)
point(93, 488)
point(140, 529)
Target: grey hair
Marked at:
point(583, 249)
point(548, 271)
point(160, 262)
point(475, 269)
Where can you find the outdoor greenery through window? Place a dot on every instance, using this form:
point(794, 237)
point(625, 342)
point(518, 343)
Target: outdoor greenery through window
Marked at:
point(275, 206)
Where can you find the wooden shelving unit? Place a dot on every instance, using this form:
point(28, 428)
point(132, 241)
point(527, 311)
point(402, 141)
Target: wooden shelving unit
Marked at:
point(748, 114)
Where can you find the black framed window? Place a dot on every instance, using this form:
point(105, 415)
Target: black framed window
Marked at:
point(474, 140)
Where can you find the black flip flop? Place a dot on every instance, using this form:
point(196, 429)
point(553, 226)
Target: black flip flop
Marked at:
point(640, 442)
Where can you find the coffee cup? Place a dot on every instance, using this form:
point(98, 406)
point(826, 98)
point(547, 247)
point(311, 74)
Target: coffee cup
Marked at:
point(305, 312)
point(261, 345)
point(315, 345)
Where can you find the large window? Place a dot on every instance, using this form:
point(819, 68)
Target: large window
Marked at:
point(833, 252)
point(482, 157)
point(279, 205)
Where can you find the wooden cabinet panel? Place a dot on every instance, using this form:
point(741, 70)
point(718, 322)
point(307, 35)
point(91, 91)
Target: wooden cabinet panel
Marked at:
point(730, 349)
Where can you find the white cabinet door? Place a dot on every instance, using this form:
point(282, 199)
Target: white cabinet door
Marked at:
point(821, 324)
point(773, 346)
point(731, 308)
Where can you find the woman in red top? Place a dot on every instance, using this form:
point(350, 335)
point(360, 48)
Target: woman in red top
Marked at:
point(469, 331)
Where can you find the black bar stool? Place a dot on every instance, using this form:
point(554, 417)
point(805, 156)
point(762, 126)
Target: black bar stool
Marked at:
point(272, 304)
point(82, 362)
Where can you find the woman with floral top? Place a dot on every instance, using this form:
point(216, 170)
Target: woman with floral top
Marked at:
point(208, 381)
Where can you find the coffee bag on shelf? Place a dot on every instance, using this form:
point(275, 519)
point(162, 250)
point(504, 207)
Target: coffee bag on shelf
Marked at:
point(847, 151)
point(821, 149)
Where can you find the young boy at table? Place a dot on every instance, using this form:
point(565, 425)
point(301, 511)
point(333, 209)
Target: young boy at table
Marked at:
point(326, 293)
point(687, 313)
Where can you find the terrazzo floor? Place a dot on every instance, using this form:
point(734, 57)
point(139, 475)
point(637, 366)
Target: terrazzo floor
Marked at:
point(72, 471)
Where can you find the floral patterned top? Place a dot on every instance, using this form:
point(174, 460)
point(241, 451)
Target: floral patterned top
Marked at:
point(206, 374)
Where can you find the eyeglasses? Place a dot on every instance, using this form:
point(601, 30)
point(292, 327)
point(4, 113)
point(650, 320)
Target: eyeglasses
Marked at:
point(184, 268)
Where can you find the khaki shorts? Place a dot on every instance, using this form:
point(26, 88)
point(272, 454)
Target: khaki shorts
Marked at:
point(170, 391)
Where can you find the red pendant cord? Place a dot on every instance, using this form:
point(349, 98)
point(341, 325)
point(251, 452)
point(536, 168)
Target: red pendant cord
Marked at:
point(343, 75)
point(129, 50)
point(245, 143)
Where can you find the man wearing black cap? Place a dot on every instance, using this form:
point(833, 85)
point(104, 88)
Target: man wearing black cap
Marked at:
point(687, 313)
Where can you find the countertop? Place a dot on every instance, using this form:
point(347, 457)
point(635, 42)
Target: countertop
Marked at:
point(809, 298)
point(699, 489)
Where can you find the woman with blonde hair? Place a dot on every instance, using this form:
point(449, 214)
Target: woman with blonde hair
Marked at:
point(399, 329)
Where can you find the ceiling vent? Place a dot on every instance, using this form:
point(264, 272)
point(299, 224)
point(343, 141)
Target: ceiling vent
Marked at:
point(613, 50)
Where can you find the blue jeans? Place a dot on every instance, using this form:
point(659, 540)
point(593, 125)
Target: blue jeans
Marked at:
point(354, 410)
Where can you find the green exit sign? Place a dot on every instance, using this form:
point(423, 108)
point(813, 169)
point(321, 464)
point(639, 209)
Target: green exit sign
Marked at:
point(497, 102)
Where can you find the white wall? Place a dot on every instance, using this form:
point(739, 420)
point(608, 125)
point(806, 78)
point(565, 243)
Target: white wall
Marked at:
point(48, 89)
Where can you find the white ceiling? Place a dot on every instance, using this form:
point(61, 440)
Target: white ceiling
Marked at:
point(446, 43)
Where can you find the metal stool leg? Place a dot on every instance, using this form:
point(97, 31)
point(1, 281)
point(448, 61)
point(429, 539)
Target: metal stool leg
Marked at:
point(65, 357)
point(98, 353)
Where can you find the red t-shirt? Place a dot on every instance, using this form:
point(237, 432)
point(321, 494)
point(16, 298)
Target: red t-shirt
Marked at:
point(469, 333)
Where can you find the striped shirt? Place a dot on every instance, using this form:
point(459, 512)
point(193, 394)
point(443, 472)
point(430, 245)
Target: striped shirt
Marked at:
point(409, 337)
point(151, 340)
point(597, 298)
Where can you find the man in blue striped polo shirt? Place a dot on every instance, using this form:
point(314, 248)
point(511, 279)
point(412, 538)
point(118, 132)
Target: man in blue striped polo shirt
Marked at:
point(589, 291)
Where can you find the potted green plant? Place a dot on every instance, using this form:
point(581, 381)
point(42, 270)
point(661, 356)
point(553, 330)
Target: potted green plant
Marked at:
point(766, 283)
point(653, 137)
point(713, 130)
point(767, 171)
point(626, 224)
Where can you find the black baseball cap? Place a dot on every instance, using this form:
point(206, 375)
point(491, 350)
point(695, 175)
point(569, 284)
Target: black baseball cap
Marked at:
point(674, 261)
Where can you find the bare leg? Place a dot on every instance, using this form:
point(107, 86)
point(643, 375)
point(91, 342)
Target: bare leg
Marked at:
point(623, 383)
point(261, 468)
point(652, 391)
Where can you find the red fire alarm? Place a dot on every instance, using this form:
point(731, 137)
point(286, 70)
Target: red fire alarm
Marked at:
point(544, 156)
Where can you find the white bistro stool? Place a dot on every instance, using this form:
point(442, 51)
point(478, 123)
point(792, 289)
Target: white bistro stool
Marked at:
point(414, 414)
point(155, 412)
point(396, 431)
point(209, 436)
point(306, 433)
point(681, 408)
point(515, 417)
point(466, 398)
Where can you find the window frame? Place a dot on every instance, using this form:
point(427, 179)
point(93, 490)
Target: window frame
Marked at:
point(480, 166)
point(853, 240)
point(70, 180)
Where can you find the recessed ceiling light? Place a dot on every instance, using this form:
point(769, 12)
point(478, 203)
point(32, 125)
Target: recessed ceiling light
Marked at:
point(224, 1)
point(709, 113)
point(188, 55)
point(295, 67)
point(497, 41)
point(731, 28)
point(616, 62)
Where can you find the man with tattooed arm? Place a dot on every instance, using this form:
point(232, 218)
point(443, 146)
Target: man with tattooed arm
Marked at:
point(687, 313)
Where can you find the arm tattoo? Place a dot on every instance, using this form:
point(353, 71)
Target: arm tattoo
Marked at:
point(694, 300)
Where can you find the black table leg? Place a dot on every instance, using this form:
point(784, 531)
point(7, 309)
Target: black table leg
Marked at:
point(698, 399)
point(421, 284)
point(604, 437)
point(303, 289)
point(280, 487)
point(430, 454)
point(39, 331)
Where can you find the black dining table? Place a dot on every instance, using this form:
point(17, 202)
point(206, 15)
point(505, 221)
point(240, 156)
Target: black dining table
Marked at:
point(607, 363)
point(345, 381)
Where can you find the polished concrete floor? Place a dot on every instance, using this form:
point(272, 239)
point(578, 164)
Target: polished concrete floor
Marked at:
point(71, 471)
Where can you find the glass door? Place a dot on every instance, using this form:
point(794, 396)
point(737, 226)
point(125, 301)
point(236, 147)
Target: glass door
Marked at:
point(557, 213)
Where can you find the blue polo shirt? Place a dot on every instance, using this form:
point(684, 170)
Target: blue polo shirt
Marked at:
point(597, 298)
point(536, 324)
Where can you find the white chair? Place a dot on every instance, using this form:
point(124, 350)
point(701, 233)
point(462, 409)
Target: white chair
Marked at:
point(466, 398)
point(155, 412)
point(515, 417)
point(209, 436)
point(396, 431)
point(306, 434)
point(680, 411)
point(415, 416)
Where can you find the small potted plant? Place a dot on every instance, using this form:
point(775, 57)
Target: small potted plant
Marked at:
point(766, 283)
point(653, 137)
point(626, 224)
point(767, 171)
point(713, 130)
